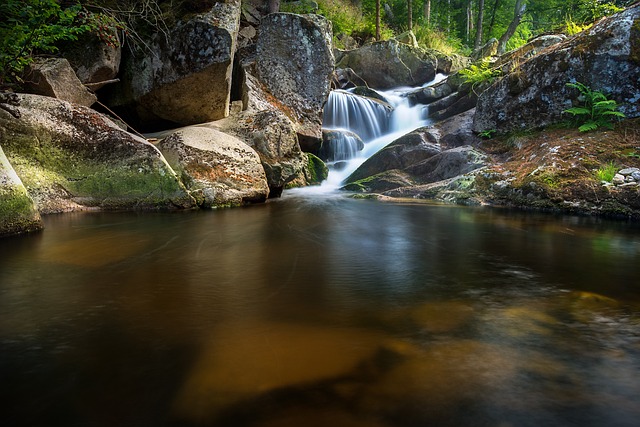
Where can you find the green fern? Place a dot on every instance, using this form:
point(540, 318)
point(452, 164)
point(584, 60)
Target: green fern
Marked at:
point(597, 111)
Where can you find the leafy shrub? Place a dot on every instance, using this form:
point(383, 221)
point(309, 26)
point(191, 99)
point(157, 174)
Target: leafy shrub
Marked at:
point(33, 26)
point(596, 110)
point(478, 74)
point(607, 172)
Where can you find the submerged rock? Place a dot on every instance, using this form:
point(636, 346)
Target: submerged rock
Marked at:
point(18, 213)
point(72, 158)
point(218, 169)
point(604, 58)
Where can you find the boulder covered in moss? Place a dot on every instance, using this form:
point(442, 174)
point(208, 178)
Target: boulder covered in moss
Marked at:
point(72, 158)
point(605, 58)
point(218, 169)
point(18, 213)
point(388, 64)
point(184, 74)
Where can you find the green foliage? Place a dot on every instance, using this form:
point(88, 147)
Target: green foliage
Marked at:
point(571, 27)
point(596, 110)
point(480, 73)
point(433, 38)
point(607, 172)
point(30, 27)
point(487, 134)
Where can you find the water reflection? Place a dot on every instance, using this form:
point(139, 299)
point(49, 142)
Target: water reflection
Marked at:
point(322, 311)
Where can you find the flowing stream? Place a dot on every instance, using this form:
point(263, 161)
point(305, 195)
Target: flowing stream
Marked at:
point(319, 310)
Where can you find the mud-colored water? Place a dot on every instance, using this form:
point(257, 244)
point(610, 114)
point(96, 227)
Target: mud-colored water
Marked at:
point(321, 312)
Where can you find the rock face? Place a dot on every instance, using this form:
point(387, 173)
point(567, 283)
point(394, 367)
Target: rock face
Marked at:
point(18, 213)
point(273, 136)
point(605, 58)
point(295, 63)
point(187, 77)
point(54, 77)
point(218, 169)
point(93, 60)
point(389, 64)
point(72, 158)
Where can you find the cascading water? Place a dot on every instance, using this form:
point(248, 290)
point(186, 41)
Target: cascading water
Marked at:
point(372, 121)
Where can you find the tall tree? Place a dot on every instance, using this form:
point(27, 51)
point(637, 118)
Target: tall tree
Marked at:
point(410, 14)
point(494, 12)
point(378, 20)
point(479, 24)
point(427, 11)
point(469, 26)
point(518, 13)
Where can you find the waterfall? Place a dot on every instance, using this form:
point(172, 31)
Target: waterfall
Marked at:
point(372, 121)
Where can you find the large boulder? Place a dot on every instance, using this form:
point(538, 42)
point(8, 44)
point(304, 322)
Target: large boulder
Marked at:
point(18, 213)
point(185, 75)
point(54, 77)
point(295, 63)
point(273, 136)
point(403, 152)
point(218, 169)
point(605, 58)
point(388, 64)
point(96, 60)
point(71, 158)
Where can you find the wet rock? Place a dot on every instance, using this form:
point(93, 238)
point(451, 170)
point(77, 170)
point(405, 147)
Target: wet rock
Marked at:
point(408, 150)
point(628, 171)
point(448, 164)
point(388, 64)
point(430, 94)
point(18, 213)
point(294, 61)
point(618, 179)
point(380, 182)
point(604, 58)
point(186, 78)
point(219, 170)
point(339, 144)
point(345, 78)
point(54, 77)
point(71, 158)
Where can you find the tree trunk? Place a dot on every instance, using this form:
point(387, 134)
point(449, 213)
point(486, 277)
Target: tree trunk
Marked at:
point(469, 26)
point(378, 20)
point(410, 14)
point(427, 11)
point(496, 5)
point(517, 17)
point(478, 42)
point(274, 6)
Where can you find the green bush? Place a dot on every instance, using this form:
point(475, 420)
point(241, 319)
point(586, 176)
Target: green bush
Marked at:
point(596, 110)
point(607, 172)
point(29, 27)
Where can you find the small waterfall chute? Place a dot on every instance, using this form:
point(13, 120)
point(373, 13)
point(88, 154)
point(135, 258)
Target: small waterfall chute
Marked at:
point(364, 116)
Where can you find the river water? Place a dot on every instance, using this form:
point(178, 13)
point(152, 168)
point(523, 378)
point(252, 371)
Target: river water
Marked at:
point(321, 311)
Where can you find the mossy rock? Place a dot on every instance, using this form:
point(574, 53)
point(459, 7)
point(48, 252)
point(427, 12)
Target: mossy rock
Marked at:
point(72, 158)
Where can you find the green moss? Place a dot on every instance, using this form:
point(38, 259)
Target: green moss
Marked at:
point(17, 212)
point(316, 170)
point(634, 39)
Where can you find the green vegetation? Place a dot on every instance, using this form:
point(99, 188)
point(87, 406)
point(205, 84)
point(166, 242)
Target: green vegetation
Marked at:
point(596, 110)
point(34, 27)
point(607, 172)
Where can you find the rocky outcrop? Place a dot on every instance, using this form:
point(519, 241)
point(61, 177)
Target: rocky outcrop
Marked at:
point(294, 61)
point(18, 213)
point(605, 58)
point(273, 136)
point(407, 150)
point(54, 77)
point(186, 78)
point(218, 169)
point(94, 60)
point(71, 158)
point(389, 64)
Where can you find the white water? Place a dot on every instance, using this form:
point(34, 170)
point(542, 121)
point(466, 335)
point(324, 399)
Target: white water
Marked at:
point(372, 123)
